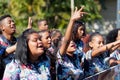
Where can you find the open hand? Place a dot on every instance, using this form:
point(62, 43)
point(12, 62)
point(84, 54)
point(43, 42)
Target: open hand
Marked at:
point(78, 14)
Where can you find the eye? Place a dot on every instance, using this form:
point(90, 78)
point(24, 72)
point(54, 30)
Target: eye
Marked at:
point(9, 21)
point(33, 40)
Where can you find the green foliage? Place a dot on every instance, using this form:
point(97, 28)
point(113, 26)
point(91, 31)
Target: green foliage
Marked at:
point(57, 12)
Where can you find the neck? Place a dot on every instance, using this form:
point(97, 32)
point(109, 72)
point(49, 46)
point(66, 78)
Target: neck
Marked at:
point(70, 54)
point(33, 58)
point(8, 37)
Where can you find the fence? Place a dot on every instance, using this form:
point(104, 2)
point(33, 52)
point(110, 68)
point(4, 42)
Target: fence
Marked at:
point(112, 73)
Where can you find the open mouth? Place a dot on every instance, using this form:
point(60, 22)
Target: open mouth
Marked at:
point(73, 46)
point(40, 46)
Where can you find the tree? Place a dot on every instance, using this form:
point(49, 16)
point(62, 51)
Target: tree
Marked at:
point(57, 12)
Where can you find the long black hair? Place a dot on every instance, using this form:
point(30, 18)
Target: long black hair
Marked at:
point(22, 50)
point(76, 25)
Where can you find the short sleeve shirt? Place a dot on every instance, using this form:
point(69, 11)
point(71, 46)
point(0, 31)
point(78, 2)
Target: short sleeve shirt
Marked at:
point(116, 54)
point(97, 63)
point(36, 71)
point(4, 43)
point(68, 67)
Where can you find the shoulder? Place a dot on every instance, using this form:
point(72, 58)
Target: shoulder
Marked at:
point(13, 64)
point(11, 71)
point(88, 54)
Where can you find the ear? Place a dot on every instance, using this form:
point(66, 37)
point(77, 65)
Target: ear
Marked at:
point(2, 28)
point(90, 44)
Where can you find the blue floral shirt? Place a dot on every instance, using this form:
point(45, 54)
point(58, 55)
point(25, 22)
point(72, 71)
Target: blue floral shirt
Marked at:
point(37, 71)
point(69, 68)
point(4, 43)
point(79, 50)
point(116, 54)
point(96, 64)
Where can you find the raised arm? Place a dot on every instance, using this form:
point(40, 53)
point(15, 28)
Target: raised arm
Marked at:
point(76, 15)
point(29, 23)
point(105, 48)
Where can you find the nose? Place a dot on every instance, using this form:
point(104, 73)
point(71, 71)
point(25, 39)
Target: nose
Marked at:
point(82, 32)
point(12, 24)
point(49, 39)
point(101, 44)
point(39, 41)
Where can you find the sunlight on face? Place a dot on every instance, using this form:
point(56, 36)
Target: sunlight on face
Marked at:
point(35, 45)
point(46, 39)
point(97, 42)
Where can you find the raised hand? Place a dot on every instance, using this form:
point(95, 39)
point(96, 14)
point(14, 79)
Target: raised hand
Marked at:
point(78, 14)
point(29, 23)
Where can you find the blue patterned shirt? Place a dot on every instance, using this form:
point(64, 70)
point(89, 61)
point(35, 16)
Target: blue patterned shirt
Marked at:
point(96, 64)
point(116, 54)
point(4, 43)
point(33, 71)
point(69, 68)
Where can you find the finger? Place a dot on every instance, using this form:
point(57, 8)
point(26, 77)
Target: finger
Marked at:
point(76, 9)
point(30, 19)
point(84, 13)
point(81, 8)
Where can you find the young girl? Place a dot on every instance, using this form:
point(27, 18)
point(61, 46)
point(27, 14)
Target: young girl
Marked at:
point(68, 64)
point(112, 36)
point(79, 31)
point(46, 40)
point(31, 62)
point(56, 37)
point(98, 53)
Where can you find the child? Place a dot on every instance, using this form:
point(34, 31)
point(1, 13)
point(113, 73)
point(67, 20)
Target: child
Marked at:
point(112, 36)
point(56, 37)
point(46, 40)
point(79, 31)
point(68, 65)
point(31, 62)
point(98, 53)
point(43, 25)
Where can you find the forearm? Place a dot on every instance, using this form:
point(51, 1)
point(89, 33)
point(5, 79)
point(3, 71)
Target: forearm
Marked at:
point(69, 31)
point(67, 37)
point(10, 50)
point(114, 48)
point(106, 47)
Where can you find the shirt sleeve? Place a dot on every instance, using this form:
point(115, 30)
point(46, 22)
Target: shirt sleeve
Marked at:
point(2, 50)
point(114, 54)
point(12, 71)
point(59, 58)
point(89, 55)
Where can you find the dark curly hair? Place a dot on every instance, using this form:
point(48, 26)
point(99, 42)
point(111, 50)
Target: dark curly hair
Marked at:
point(112, 35)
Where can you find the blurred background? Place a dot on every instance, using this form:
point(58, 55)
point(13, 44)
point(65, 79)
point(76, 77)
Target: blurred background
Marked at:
point(103, 14)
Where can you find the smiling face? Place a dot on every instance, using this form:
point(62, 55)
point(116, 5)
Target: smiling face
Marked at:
point(8, 26)
point(35, 45)
point(97, 41)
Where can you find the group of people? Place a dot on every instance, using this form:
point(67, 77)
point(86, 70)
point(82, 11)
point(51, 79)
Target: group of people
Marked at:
point(50, 55)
